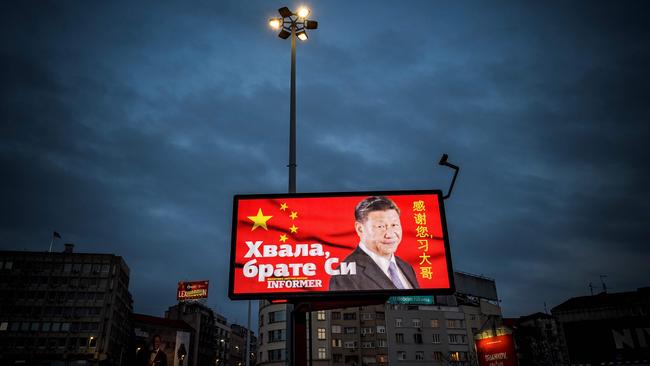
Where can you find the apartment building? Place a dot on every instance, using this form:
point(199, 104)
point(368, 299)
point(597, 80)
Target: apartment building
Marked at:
point(65, 307)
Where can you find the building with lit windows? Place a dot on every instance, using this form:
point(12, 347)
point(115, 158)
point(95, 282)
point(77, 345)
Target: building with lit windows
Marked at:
point(65, 307)
point(222, 340)
point(411, 330)
point(202, 319)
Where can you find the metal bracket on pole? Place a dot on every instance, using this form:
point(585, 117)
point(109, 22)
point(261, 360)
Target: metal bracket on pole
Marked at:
point(443, 161)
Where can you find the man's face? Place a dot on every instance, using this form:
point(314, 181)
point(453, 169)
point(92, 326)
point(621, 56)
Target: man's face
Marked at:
point(381, 232)
point(156, 343)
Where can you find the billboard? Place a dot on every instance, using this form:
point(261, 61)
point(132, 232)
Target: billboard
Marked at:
point(337, 244)
point(496, 351)
point(192, 290)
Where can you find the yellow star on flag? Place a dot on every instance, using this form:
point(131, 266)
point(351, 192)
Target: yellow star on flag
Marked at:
point(283, 206)
point(283, 238)
point(293, 229)
point(259, 220)
point(293, 215)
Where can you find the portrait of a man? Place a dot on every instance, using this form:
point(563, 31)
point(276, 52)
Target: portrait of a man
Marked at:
point(378, 225)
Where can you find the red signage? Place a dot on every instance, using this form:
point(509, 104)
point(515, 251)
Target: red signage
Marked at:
point(192, 290)
point(339, 243)
point(496, 351)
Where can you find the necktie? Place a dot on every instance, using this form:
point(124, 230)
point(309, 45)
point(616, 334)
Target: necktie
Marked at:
point(392, 270)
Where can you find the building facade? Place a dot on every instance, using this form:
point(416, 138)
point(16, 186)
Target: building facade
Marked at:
point(272, 334)
point(175, 335)
point(58, 308)
point(222, 340)
point(202, 319)
point(410, 331)
point(608, 328)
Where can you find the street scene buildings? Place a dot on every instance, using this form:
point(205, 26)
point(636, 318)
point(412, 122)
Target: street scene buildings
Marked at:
point(75, 308)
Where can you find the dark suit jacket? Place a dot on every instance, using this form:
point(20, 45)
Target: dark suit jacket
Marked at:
point(160, 360)
point(369, 276)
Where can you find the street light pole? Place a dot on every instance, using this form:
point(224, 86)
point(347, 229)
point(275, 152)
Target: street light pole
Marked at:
point(293, 25)
point(292, 115)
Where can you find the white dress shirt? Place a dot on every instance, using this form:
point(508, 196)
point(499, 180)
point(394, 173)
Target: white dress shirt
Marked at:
point(383, 264)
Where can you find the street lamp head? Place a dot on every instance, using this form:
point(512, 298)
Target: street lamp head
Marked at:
point(275, 23)
point(311, 24)
point(302, 35)
point(285, 12)
point(284, 34)
point(443, 159)
point(303, 12)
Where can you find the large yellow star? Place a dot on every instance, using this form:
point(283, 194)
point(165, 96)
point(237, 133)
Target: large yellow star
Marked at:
point(259, 220)
point(293, 229)
point(283, 206)
point(283, 238)
point(293, 215)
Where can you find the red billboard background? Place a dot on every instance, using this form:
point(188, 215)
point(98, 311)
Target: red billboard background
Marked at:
point(192, 290)
point(329, 220)
point(496, 351)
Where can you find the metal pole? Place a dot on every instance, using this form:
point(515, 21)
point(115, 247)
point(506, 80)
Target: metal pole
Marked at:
point(248, 336)
point(292, 183)
point(292, 122)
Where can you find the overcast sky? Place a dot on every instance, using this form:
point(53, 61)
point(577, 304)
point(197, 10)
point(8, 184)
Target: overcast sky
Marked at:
point(128, 126)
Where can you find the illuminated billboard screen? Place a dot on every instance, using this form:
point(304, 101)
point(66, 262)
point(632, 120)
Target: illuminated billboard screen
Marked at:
point(496, 351)
point(192, 290)
point(336, 244)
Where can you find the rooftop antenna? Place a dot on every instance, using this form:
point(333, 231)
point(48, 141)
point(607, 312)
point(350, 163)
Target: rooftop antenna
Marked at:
point(443, 161)
point(602, 281)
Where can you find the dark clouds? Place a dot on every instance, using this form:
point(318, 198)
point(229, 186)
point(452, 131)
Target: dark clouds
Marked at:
point(128, 128)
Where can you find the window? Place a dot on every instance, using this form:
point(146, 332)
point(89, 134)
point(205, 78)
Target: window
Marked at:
point(458, 356)
point(381, 343)
point(366, 316)
point(417, 338)
point(380, 315)
point(277, 316)
point(436, 338)
point(437, 356)
point(337, 358)
point(398, 322)
point(381, 329)
point(419, 356)
point(349, 316)
point(276, 355)
point(337, 343)
point(4, 326)
point(321, 333)
point(472, 316)
point(261, 319)
point(382, 358)
point(417, 323)
point(322, 353)
point(350, 344)
point(399, 338)
point(336, 329)
point(350, 330)
point(366, 330)
point(434, 323)
point(455, 323)
point(367, 344)
point(336, 315)
point(367, 360)
point(401, 355)
point(276, 335)
point(320, 315)
point(457, 339)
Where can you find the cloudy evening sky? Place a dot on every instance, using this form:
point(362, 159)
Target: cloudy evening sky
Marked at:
point(128, 126)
